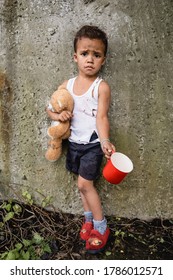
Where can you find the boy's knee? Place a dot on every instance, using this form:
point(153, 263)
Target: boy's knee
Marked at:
point(82, 188)
point(84, 185)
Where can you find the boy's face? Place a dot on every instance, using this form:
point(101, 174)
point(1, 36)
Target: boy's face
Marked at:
point(89, 56)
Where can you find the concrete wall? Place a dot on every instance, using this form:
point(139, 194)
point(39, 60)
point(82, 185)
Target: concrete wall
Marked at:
point(36, 56)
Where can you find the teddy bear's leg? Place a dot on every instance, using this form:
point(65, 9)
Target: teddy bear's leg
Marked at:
point(54, 150)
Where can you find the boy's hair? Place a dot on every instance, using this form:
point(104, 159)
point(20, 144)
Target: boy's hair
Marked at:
point(91, 32)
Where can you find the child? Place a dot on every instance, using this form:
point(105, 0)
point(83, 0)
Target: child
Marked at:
point(89, 138)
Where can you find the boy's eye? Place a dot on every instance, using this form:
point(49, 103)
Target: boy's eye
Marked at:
point(97, 55)
point(84, 53)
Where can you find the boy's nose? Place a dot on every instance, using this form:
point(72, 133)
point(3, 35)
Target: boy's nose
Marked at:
point(90, 58)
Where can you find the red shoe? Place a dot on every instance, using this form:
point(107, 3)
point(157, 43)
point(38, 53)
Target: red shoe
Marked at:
point(86, 230)
point(97, 241)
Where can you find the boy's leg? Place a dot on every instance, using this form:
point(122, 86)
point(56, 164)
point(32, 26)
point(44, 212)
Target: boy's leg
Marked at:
point(84, 203)
point(90, 198)
point(88, 215)
point(97, 237)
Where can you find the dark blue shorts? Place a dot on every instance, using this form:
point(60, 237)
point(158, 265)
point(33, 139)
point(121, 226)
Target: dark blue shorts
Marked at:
point(84, 160)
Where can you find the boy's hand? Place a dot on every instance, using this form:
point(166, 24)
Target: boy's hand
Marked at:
point(65, 116)
point(108, 148)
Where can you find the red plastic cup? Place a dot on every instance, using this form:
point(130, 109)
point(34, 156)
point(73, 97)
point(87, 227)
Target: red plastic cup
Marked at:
point(117, 167)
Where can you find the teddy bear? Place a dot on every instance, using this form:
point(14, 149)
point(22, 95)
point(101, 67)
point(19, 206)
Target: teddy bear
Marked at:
point(60, 100)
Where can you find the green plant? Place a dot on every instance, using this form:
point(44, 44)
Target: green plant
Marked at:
point(27, 196)
point(28, 249)
point(46, 201)
point(10, 209)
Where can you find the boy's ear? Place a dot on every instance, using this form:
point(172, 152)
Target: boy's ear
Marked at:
point(104, 60)
point(75, 57)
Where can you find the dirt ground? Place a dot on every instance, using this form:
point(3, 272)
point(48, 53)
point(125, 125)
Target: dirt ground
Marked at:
point(130, 239)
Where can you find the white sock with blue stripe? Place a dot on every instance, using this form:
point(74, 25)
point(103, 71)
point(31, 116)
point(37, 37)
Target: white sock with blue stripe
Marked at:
point(88, 216)
point(100, 226)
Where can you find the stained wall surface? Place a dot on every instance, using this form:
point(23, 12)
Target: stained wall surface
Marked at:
point(36, 55)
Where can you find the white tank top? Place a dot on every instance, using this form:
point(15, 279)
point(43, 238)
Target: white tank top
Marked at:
point(83, 123)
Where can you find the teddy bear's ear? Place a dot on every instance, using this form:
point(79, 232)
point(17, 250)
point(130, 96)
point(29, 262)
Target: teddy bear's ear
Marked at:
point(62, 87)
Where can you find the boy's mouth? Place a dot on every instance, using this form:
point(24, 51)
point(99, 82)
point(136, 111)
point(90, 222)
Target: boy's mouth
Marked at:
point(89, 67)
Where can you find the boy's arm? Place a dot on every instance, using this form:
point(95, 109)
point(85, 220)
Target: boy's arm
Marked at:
point(102, 120)
point(52, 115)
point(63, 116)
